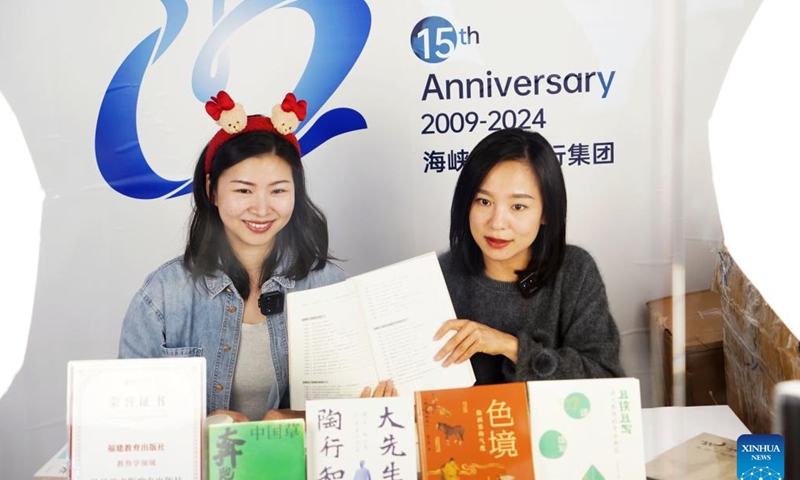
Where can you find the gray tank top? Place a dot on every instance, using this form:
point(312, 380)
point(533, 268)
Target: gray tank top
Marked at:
point(254, 376)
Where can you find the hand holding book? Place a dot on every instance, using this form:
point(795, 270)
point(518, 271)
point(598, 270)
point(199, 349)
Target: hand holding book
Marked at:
point(237, 417)
point(231, 416)
point(371, 326)
point(384, 388)
point(471, 338)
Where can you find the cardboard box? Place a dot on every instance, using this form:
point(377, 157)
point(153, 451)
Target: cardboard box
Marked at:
point(705, 364)
point(759, 350)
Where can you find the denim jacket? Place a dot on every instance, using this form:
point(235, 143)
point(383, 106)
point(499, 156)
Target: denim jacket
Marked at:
point(173, 315)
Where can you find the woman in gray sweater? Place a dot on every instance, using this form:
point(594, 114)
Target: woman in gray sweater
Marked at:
point(529, 306)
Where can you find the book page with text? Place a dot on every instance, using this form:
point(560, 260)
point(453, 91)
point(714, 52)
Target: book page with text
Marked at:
point(404, 305)
point(328, 352)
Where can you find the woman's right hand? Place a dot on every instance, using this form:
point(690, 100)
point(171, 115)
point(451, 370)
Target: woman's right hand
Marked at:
point(473, 337)
point(385, 388)
point(238, 417)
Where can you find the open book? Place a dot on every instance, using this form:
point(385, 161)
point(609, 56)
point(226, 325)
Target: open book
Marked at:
point(704, 457)
point(371, 327)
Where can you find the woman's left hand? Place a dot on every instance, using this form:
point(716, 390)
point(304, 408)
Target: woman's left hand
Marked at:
point(471, 338)
point(385, 388)
point(237, 417)
point(283, 413)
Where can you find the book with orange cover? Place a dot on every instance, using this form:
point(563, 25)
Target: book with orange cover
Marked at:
point(480, 432)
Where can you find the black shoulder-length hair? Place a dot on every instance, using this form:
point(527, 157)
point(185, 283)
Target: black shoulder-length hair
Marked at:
point(547, 251)
point(304, 240)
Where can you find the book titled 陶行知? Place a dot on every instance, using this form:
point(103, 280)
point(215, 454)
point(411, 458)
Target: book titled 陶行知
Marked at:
point(375, 326)
point(361, 439)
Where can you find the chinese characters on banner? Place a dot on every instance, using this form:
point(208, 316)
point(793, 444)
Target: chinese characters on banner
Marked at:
point(576, 154)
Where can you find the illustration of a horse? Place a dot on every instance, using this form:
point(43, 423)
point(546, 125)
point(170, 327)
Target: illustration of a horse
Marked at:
point(454, 431)
point(434, 405)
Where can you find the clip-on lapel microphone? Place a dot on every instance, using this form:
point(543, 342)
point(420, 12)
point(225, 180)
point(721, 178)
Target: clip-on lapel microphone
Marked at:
point(270, 303)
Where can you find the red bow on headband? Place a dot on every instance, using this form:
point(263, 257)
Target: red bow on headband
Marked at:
point(290, 104)
point(219, 104)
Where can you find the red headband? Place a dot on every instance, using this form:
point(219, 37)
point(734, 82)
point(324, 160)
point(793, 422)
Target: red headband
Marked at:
point(233, 120)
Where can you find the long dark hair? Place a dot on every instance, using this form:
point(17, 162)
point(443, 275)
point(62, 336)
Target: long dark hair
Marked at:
point(304, 240)
point(547, 251)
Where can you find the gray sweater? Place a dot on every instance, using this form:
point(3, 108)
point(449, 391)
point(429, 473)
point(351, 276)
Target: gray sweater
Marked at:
point(565, 330)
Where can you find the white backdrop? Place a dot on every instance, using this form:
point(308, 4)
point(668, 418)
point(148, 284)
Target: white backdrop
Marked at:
point(98, 241)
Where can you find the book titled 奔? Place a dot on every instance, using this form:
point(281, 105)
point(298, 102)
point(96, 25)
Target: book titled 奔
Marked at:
point(261, 450)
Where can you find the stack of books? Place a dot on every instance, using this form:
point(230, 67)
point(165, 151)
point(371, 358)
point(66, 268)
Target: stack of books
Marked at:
point(146, 418)
point(584, 429)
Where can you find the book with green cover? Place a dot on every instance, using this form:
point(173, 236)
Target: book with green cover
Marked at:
point(587, 429)
point(263, 450)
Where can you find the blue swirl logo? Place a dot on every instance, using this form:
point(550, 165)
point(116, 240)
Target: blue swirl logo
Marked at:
point(119, 154)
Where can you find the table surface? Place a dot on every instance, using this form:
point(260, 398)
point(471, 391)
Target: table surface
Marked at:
point(667, 427)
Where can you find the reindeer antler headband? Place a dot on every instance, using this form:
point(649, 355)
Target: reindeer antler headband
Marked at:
point(234, 121)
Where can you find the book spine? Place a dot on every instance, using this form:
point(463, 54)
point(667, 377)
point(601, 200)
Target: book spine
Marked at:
point(422, 462)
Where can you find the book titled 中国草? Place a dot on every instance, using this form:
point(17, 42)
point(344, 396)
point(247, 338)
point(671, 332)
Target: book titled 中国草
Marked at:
point(261, 450)
point(371, 327)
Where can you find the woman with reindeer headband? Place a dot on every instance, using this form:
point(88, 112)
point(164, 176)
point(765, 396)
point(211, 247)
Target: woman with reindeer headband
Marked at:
point(254, 236)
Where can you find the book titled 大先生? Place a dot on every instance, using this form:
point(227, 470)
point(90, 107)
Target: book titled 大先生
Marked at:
point(589, 429)
point(361, 438)
point(476, 432)
point(374, 326)
point(261, 450)
point(136, 418)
